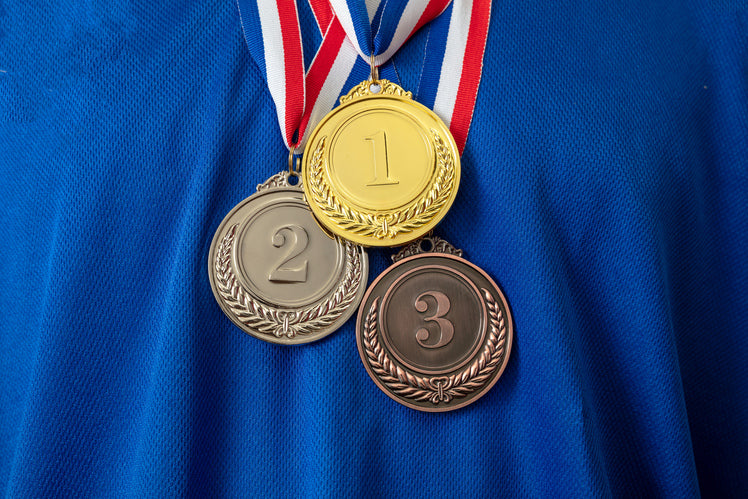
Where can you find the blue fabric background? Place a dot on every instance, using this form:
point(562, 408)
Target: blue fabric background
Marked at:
point(605, 187)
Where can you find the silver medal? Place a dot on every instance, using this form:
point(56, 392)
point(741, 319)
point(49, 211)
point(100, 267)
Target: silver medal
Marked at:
point(277, 275)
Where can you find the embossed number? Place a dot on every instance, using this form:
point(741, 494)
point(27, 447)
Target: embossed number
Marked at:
point(379, 143)
point(296, 238)
point(446, 328)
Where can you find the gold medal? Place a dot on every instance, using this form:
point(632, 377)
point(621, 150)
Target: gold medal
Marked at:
point(380, 169)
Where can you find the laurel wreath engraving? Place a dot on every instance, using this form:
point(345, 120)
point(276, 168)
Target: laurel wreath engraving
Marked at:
point(426, 244)
point(440, 388)
point(386, 225)
point(364, 89)
point(280, 179)
point(278, 322)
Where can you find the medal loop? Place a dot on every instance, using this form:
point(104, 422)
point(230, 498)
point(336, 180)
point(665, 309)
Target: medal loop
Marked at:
point(293, 169)
point(374, 69)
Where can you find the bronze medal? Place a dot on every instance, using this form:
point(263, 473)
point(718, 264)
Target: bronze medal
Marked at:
point(434, 331)
point(277, 275)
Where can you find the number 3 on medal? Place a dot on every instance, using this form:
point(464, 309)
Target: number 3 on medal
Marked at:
point(446, 328)
point(379, 143)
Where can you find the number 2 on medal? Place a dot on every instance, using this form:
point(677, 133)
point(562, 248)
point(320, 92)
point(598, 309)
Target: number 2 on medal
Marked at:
point(379, 143)
point(446, 328)
point(296, 238)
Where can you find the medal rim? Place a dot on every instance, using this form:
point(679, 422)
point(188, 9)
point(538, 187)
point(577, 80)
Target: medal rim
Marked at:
point(299, 339)
point(403, 238)
point(508, 324)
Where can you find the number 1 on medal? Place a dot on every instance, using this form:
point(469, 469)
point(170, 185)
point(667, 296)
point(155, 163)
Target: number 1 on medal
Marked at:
point(379, 143)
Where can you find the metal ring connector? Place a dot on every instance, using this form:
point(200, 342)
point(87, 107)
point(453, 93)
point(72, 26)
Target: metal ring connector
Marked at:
point(374, 69)
point(293, 170)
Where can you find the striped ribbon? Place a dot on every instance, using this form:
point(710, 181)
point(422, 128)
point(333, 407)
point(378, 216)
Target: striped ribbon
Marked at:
point(354, 30)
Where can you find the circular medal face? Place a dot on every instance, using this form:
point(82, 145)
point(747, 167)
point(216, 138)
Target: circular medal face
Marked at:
point(277, 275)
point(434, 332)
point(381, 169)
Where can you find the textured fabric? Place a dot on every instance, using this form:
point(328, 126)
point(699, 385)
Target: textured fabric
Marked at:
point(605, 187)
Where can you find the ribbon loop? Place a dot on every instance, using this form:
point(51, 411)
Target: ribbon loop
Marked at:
point(397, 22)
point(360, 36)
